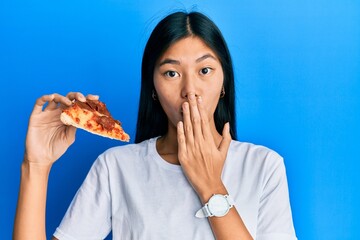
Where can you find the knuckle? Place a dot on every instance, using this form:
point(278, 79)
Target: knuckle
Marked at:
point(70, 94)
point(188, 128)
point(183, 158)
point(204, 121)
point(181, 139)
point(79, 94)
point(196, 119)
point(43, 98)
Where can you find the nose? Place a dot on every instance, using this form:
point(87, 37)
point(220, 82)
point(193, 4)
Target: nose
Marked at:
point(189, 86)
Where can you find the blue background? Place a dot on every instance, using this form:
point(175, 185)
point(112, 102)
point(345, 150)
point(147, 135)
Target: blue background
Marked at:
point(297, 66)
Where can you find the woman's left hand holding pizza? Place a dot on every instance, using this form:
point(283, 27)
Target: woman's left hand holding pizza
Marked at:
point(201, 157)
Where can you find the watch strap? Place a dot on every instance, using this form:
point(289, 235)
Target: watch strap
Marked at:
point(230, 200)
point(203, 212)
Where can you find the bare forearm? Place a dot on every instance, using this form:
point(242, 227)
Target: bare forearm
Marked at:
point(229, 226)
point(30, 213)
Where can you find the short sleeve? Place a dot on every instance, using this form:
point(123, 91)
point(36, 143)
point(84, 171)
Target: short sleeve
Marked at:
point(89, 214)
point(275, 217)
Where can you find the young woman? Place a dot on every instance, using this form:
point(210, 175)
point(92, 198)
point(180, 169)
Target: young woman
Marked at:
point(186, 177)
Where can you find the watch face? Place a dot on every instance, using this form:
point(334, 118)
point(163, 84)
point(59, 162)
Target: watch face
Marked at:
point(218, 205)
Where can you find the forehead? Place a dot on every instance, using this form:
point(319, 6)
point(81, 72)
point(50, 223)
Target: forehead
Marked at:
point(188, 48)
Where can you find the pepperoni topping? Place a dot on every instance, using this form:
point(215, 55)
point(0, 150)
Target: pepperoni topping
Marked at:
point(94, 105)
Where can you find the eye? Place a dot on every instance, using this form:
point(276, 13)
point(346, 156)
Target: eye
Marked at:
point(205, 71)
point(171, 74)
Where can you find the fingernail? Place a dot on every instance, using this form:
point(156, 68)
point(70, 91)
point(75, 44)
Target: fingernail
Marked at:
point(199, 99)
point(94, 95)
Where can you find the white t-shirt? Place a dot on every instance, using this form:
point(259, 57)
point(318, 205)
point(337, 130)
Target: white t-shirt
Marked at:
point(132, 191)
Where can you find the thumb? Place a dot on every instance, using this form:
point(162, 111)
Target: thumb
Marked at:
point(225, 143)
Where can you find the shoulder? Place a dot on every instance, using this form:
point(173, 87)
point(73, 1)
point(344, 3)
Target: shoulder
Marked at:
point(253, 151)
point(253, 164)
point(253, 157)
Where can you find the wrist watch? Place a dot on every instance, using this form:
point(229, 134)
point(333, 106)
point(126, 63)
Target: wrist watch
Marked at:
point(217, 206)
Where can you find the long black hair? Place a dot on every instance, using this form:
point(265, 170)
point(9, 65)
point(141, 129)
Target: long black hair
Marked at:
point(152, 120)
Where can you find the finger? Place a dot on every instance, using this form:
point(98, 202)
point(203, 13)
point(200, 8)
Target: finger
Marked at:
point(51, 106)
point(57, 98)
point(188, 128)
point(63, 101)
point(225, 143)
point(52, 99)
point(92, 97)
point(205, 127)
point(181, 139)
point(76, 95)
point(40, 102)
point(195, 116)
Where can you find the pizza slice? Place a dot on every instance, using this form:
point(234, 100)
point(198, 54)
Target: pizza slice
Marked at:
point(94, 117)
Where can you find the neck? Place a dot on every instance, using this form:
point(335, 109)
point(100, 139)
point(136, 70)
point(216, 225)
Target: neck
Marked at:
point(167, 146)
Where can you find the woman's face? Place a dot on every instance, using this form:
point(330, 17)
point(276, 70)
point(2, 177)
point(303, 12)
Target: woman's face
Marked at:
point(188, 66)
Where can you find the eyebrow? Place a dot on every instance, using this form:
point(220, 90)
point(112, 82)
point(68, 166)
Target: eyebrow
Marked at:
point(176, 62)
point(206, 56)
point(169, 61)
